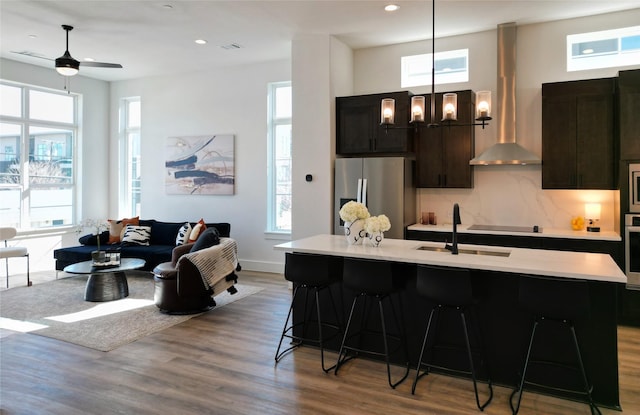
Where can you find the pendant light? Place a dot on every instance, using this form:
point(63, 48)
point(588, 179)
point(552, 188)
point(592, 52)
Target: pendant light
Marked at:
point(449, 102)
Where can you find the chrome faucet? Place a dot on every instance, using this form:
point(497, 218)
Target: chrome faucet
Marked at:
point(456, 221)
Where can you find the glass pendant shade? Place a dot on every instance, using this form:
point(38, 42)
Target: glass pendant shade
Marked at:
point(483, 105)
point(387, 111)
point(449, 107)
point(417, 109)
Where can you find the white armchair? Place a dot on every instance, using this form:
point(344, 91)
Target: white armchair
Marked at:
point(7, 251)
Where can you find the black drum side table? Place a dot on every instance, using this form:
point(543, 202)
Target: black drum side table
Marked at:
point(105, 284)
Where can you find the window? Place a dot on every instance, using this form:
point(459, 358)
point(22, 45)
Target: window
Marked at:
point(279, 158)
point(451, 67)
point(38, 130)
point(605, 49)
point(130, 157)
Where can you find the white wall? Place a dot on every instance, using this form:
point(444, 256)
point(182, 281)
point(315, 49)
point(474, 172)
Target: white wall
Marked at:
point(227, 101)
point(94, 160)
point(505, 195)
point(311, 135)
point(322, 67)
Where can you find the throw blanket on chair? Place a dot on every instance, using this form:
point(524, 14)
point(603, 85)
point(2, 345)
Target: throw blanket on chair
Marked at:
point(216, 263)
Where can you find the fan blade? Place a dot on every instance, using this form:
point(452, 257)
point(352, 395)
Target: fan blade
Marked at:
point(31, 54)
point(100, 64)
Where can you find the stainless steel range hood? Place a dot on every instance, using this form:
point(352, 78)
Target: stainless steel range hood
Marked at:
point(506, 150)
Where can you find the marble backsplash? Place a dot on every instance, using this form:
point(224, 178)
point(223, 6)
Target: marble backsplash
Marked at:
point(513, 195)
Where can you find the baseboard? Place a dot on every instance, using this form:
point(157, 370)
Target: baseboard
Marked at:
point(262, 266)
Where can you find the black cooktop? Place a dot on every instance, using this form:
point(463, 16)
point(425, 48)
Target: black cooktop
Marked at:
point(529, 229)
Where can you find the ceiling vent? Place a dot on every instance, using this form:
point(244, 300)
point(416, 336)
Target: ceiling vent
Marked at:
point(231, 46)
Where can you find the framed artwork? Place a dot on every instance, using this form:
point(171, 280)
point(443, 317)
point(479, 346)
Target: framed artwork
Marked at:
point(200, 165)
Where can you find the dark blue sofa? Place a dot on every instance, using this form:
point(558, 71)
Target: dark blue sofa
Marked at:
point(163, 238)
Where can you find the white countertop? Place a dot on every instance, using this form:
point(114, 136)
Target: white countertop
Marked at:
point(546, 232)
point(580, 265)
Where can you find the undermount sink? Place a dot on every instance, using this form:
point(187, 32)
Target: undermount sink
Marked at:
point(465, 251)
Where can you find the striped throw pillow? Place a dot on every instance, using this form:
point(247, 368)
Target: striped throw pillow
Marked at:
point(137, 235)
point(183, 234)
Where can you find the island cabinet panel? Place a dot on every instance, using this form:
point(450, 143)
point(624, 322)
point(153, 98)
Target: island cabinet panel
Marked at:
point(628, 307)
point(628, 110)
point(505, 330)
point(578, 135)
point(443, 153)
point(505, 325)
point(358, 129)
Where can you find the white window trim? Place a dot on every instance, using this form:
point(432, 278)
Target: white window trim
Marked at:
point(415, 70)
point(271, 232)
point(124, 179)
point(25, 123)
point(613, 60)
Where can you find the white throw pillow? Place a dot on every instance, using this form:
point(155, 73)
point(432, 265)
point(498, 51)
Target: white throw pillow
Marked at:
point(183, 234)
point(137, 235)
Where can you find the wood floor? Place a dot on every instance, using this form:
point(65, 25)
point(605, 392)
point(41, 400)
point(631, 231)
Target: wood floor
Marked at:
point(222, 363)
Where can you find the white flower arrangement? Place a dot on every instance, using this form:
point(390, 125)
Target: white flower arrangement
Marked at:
point(377, 224)
point(353, 210)
point(97, 224)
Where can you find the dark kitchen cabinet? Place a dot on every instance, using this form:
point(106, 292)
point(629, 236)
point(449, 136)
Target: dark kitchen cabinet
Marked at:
point(443, 153)
point(628, 110)
point(358, 129)
point(578, 135)
point(628, 300)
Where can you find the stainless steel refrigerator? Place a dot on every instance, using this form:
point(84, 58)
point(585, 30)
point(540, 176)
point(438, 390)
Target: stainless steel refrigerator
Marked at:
point(384, 184)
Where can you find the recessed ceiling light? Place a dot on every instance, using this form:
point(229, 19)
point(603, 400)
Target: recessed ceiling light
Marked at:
point(200, 41)
point(89, 60)
point(391, 7)
point(33, 36)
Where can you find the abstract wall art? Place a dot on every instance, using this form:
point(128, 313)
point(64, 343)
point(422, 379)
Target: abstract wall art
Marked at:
point(200, 165)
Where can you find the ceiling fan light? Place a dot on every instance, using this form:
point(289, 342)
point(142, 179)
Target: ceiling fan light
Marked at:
point(67, 66)
point(66, 71)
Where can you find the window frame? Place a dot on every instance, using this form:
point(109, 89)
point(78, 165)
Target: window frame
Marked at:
point(610, 59)
point(273, 122)
point(26, 186)
point(127, 159)
point(410, 77)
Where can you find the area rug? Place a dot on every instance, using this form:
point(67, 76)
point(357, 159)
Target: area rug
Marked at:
point(57, 309)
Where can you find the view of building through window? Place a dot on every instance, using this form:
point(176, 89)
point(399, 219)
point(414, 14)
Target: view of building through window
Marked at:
point(604, 49)
point(279, 158)
point(451, 67)
point(38, 130)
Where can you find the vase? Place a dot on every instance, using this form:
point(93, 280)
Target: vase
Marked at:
point(375, 238)
point(98, 256)
point(354, 231)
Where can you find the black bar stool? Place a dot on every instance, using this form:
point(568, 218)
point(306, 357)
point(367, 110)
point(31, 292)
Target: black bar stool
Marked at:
point(372, 281)
point(561, 301)
point(451, 290)
point(315, 273)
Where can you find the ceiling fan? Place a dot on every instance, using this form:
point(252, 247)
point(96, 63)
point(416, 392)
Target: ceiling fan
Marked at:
point(66, 65)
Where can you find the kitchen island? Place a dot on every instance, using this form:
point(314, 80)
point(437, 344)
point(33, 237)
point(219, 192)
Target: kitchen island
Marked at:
point(605, 242)
point(505, 327)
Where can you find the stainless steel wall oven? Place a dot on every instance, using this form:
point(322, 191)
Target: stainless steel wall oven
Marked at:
point(632, 250)
point(634, 187)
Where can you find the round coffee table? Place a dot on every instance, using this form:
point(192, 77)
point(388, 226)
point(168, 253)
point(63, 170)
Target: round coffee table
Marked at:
point(105, 284)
